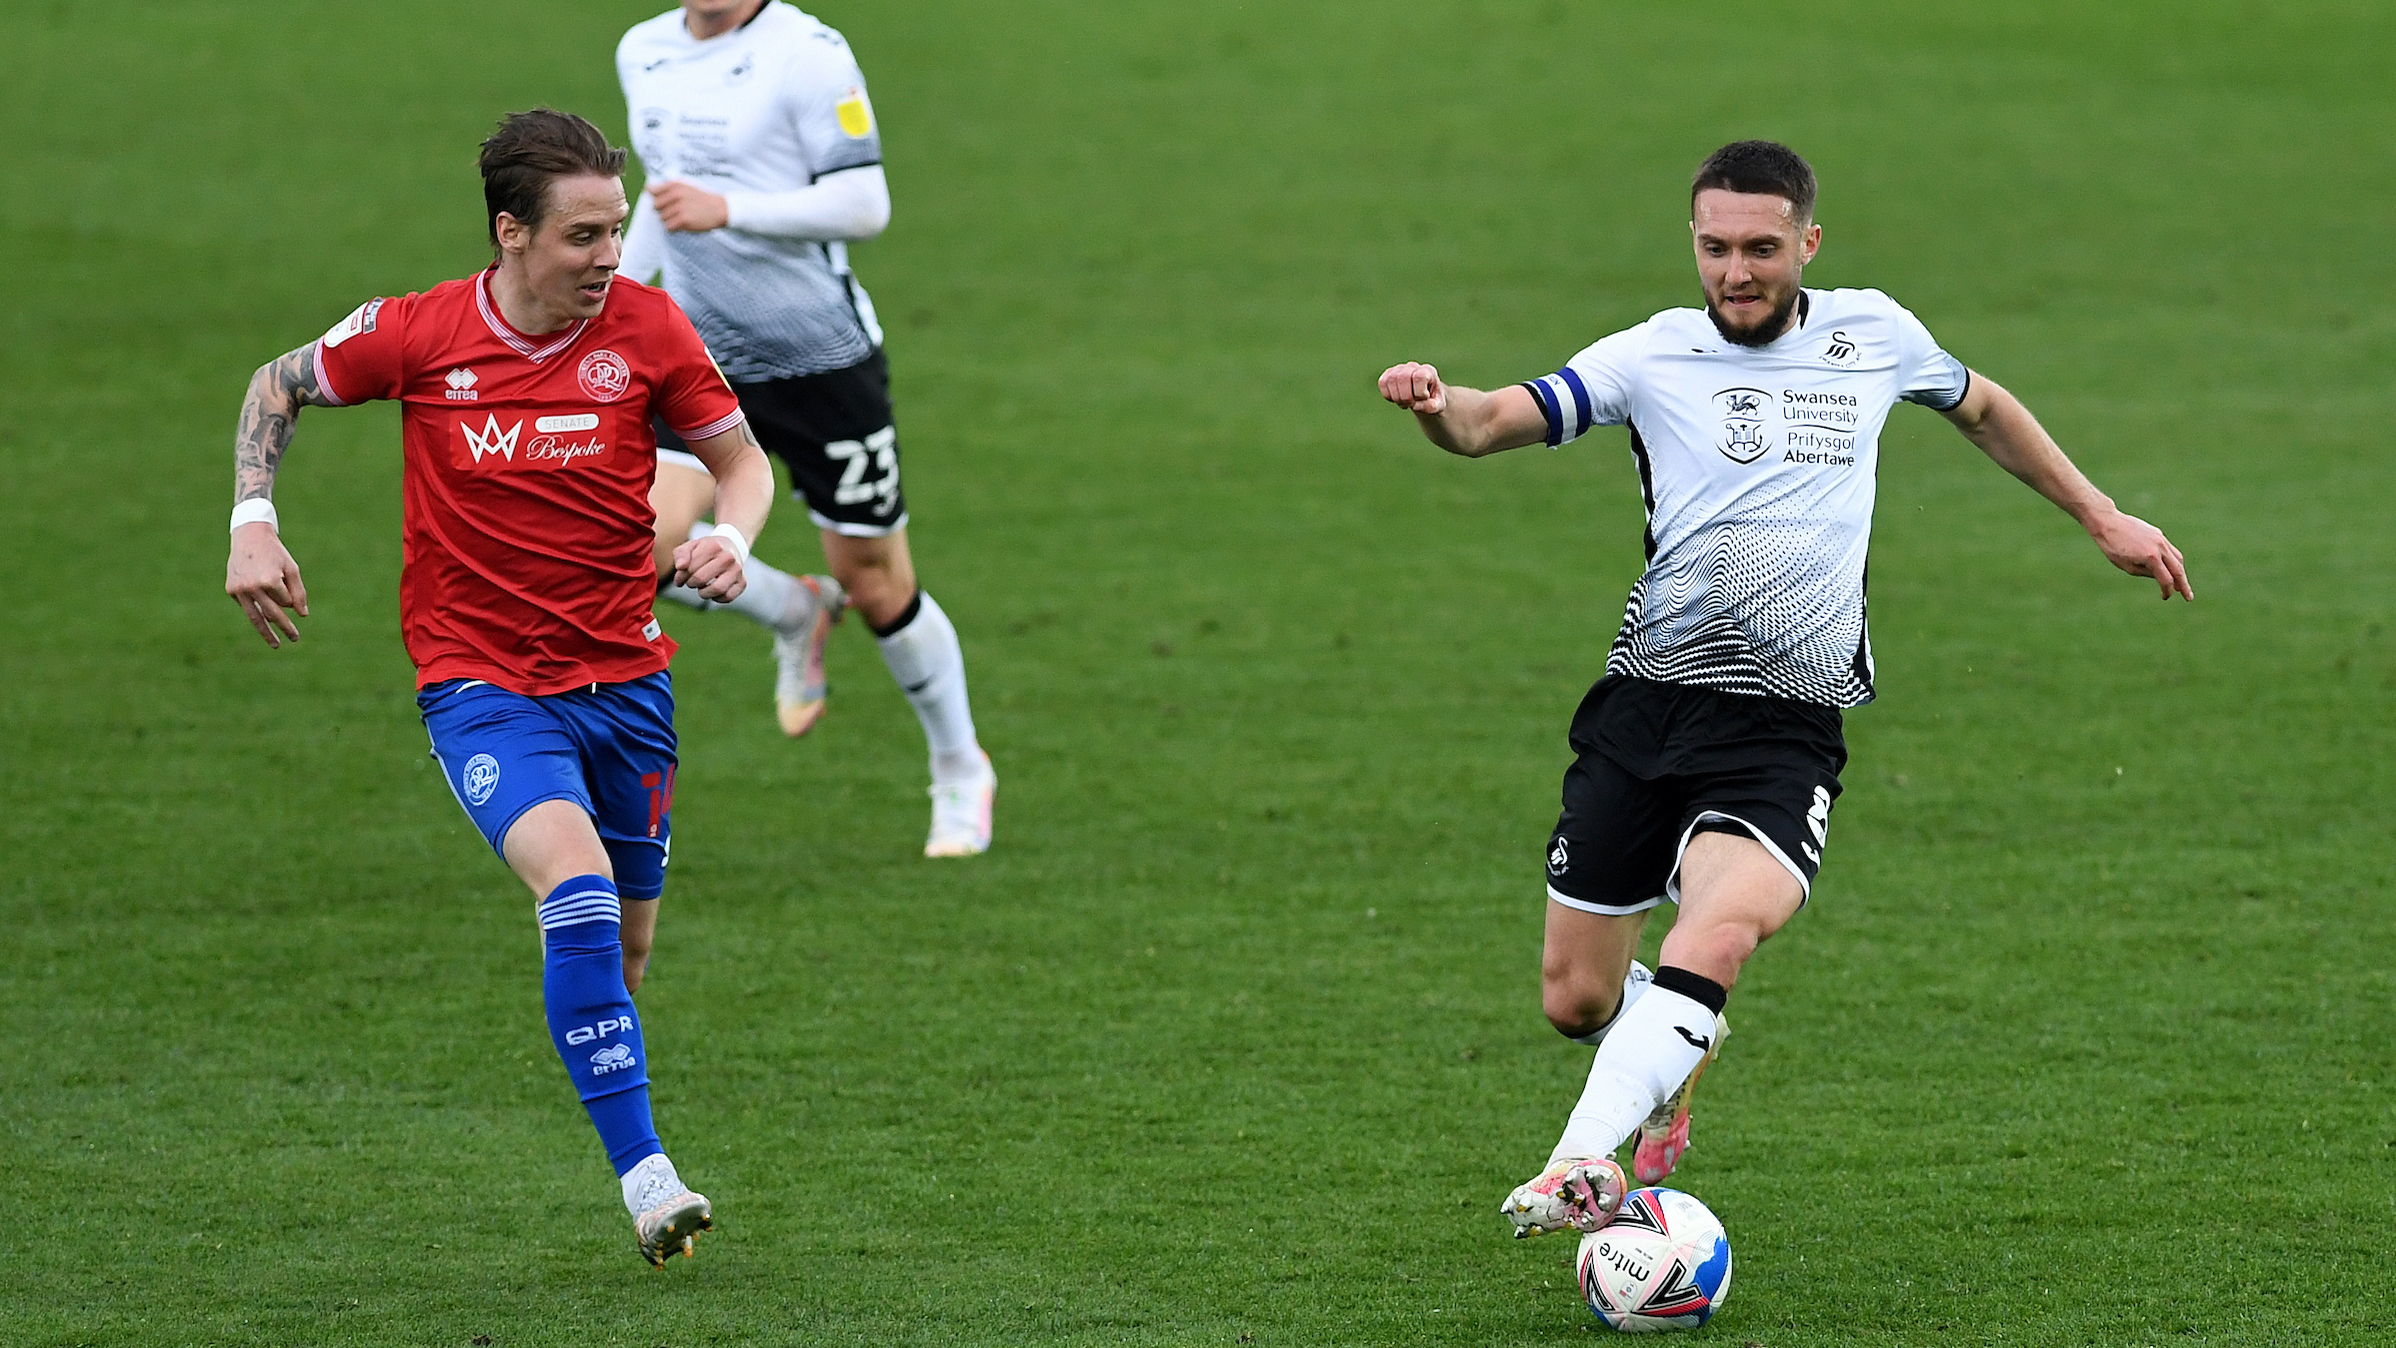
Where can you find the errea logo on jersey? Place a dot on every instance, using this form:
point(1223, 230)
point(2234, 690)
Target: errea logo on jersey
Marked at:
point(461, 385)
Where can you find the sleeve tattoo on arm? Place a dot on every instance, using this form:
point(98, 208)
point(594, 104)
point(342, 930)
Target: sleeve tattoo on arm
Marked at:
point(268, 416)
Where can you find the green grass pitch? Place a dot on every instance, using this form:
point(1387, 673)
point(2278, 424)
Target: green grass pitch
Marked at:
point(1234, 1037)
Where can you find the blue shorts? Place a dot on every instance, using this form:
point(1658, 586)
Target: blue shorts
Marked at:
point(608, 748)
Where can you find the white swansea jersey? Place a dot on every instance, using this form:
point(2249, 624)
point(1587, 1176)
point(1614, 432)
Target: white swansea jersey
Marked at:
point(1758, 466)
point(769, 107)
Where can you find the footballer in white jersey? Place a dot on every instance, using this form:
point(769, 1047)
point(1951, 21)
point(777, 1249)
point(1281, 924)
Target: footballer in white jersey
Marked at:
point(1706, 761)
point(1758, 465)
point(764, 162)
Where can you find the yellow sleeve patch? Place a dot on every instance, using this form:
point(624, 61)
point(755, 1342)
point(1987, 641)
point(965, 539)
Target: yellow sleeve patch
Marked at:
point(856, 115)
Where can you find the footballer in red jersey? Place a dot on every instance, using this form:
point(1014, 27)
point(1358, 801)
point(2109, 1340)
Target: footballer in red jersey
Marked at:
point(527, 394)
point(528, 465)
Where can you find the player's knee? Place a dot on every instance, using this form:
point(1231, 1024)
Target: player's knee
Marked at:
point(1718, 950)
point(1576, 1006)
point(878, 593)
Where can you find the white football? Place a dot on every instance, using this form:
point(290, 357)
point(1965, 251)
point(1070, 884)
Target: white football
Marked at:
point(1662, 1263)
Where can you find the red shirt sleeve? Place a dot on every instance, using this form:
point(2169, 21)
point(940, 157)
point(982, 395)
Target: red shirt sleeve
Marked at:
point(691, 393)
point(359, 360)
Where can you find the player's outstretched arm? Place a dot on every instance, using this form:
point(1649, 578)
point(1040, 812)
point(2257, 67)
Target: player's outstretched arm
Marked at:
point(847, 204)
point(260, 575)
point(744, 493)
point(2004, 430)
point(1464, 420)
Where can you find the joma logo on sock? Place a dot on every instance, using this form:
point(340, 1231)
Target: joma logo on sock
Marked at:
point(613, 1058)
point(586, 1033)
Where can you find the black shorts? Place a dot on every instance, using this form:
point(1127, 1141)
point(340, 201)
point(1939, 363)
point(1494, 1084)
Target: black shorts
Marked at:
point(835, 431)
point(1659, 762)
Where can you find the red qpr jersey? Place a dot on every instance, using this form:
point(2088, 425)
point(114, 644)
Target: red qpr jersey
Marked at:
point(527, 468)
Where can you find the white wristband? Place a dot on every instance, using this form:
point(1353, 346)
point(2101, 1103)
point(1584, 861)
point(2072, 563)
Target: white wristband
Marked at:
point(254, 510)
point(738, 540)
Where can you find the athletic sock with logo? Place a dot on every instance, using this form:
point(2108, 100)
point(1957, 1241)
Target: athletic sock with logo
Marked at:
point(773, 599)
point(1634, 985)
point(1651, 1050)
point(921, 649)
point(591, 1020)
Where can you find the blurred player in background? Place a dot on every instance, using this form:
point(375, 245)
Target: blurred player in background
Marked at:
point(526, 395)
point(763, 161)
point(1708, 756)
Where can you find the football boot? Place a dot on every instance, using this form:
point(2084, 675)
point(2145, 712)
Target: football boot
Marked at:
point(1578, 1192)
point(1664, 1137)
point(961, 814)
point(800, 688)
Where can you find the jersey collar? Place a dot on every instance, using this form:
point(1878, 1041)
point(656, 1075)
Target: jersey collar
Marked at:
point(522, 345)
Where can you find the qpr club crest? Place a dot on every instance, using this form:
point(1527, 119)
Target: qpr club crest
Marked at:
point(480, 778)
point(1743, 438)
point(604, 376)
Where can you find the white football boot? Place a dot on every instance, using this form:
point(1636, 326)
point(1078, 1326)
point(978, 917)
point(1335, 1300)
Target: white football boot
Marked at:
point(800, 688)
point(666, 1216)
point(1581, 1193)
point(961, 814)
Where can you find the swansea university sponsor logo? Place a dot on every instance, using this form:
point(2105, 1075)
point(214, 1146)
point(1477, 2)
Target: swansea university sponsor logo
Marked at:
point(1743, 438)
point(1806, 426)
point(604, 376)
point(540, 441)
point(1821, 427)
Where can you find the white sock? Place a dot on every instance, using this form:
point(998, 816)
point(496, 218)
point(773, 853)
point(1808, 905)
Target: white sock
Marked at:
point(650, 1183)
point(1634, 985)
point(1653, 1048)
point(774, 597)
point(930, 668)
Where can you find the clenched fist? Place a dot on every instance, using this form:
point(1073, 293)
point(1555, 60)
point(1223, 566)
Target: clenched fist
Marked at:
point(1415, 387)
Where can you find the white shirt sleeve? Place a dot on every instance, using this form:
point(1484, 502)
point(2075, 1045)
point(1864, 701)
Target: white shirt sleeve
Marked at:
point(848, 204)
point(1593, 389)
point(1927, 374)
point(831, 113)
point(644, 243)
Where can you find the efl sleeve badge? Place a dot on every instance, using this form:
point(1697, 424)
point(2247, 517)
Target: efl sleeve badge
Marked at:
point(856, 115)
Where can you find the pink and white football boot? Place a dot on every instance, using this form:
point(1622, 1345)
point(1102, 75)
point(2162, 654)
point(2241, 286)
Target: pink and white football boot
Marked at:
point(1664, 1137)
point(800, 688)
point(1578, 1192)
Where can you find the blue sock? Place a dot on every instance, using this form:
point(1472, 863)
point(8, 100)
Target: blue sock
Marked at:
point(591, 1020)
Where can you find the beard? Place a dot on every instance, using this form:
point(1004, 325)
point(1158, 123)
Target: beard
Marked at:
point(1762, 334)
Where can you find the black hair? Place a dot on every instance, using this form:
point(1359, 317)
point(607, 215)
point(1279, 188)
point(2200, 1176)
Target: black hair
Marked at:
point(1766, 167)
